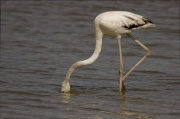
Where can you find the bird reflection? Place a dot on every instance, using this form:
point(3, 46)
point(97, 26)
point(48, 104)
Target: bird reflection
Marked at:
point(124, 100)
point(74, 92)
point(66, 97)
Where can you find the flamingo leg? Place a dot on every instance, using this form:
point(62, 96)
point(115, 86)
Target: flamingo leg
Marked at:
point(146, 55)
point(121, 84)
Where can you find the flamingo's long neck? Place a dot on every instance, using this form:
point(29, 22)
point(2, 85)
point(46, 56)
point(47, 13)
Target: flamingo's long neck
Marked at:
point(94, 56)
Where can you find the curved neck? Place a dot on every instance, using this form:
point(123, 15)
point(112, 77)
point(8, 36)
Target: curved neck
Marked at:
point(94, 56)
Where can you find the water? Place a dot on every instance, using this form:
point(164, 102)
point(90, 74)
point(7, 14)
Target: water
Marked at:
point(40, 41)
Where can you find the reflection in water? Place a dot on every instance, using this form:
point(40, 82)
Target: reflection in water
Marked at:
point(72, 92)
point(66, 97)
point(124, 101)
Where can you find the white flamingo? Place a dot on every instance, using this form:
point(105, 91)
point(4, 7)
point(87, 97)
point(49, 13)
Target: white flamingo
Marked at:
point(113, 23)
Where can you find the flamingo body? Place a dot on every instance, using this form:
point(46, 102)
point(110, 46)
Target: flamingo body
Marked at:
point(116, 23)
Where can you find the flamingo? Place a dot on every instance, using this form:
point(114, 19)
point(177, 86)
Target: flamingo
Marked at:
point(113, 23)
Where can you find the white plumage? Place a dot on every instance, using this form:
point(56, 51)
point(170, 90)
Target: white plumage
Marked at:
point(121, 22)
point(113, 23)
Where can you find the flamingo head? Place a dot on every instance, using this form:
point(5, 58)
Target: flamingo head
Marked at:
point(65, 87)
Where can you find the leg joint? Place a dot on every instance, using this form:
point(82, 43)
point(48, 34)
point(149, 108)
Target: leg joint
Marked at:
point(148, 52)
point(121, 68)
point(120, 71)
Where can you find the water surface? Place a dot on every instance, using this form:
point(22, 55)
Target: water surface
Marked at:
point(41, 40)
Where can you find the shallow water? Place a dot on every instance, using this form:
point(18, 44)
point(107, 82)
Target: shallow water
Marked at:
point(41, 40)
